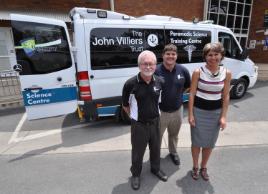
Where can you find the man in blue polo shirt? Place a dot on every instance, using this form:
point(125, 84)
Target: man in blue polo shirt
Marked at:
point(176, 81)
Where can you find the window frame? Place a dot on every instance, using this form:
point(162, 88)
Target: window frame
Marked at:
point(240, 31)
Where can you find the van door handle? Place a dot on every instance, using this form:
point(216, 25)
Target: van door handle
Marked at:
point(34, 88)
point(91, 76)
point(59, 79)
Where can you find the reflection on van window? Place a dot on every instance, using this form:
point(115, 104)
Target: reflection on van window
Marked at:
point(41, 48)
point(120, 47)
point(231, 48)
point(190, 43)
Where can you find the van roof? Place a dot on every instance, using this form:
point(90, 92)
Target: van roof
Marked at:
point(100, 14)
point(159, 18)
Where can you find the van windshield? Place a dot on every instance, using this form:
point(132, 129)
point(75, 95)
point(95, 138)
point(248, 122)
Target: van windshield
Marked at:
point(41, 48)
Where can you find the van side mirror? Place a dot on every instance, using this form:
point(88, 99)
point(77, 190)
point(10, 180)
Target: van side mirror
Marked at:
point(243, 55)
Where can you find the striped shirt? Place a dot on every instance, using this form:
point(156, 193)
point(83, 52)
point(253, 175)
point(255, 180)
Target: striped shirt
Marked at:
point(209, 88)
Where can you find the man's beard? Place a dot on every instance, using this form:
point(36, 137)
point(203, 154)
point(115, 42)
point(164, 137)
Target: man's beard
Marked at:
point(148, 73)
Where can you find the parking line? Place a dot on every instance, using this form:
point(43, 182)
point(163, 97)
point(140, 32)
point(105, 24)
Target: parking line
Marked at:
point(38, 135)
point(17, 130)
point(46, 133)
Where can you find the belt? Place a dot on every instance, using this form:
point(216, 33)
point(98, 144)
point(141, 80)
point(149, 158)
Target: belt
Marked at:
point(149, 121)
point(171, 111)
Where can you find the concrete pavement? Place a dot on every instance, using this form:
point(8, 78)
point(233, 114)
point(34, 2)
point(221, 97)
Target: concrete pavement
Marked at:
point(236, 134)
point(64, 156)
point(233, 170)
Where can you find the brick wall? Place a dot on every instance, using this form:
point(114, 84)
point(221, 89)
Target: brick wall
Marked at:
point(185, 9)
point(258, 55)
point(56, 5)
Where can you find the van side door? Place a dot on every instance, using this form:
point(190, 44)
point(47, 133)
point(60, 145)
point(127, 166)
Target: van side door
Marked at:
point(113, 57)
point(190, 42)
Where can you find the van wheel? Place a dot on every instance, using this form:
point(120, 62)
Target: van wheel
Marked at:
point(124, 116)
point(239, 89)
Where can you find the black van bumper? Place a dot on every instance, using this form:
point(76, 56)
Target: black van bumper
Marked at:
point(91, 109)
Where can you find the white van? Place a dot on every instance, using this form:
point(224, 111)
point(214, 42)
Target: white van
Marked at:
point(56, 76)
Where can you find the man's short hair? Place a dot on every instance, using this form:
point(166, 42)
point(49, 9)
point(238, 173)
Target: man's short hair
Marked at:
point(144, 54)
point(170, 47)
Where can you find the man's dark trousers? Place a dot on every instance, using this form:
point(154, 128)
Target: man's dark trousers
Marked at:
point(143, 133)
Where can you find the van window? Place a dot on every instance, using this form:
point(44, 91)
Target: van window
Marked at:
point(120, 47)
point(41, 48)
point(190, 43)
point(231, 48)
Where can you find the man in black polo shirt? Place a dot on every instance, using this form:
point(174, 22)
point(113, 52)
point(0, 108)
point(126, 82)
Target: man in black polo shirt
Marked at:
point(176, 80)
point(141, 95)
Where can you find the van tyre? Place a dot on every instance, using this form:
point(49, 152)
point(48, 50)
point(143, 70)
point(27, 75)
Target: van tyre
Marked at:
point(239, 89)
point(124, 117)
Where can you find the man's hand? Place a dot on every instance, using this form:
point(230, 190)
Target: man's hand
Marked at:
point(126, 109)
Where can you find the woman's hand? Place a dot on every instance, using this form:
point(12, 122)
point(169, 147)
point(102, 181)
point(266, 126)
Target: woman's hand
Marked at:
point(222, 123)
point(191, 120)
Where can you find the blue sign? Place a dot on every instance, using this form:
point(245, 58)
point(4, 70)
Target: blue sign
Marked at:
point(48, 96)
point(266, 21)
point(266, 41)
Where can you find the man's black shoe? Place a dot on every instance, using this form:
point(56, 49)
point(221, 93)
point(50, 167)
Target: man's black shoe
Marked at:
point(161, 175)
point(135, 182)
point(175, 159)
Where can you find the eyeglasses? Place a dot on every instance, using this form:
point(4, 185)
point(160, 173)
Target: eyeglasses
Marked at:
point(148, 64)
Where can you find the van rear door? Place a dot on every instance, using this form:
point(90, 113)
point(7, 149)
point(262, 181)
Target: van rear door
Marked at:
point(46, 66)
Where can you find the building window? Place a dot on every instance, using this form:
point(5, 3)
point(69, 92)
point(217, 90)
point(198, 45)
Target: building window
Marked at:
point(234, 14)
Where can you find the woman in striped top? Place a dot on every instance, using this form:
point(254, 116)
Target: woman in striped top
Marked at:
point(208, 104)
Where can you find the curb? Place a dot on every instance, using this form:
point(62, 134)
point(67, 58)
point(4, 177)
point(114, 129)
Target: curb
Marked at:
point(11, 104)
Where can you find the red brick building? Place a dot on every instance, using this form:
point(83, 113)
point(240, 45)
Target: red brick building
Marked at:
point(247, 18)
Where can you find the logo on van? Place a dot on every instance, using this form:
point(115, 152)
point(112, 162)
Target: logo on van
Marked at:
point(47, 96)
point(189, 48)
point(152, 40)
point(28, 46)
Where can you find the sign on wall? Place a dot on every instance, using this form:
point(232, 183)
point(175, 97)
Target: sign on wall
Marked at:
point(266, 41)
point(266, 18)
point(252, 44)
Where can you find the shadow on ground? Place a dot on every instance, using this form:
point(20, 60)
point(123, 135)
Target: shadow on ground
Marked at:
point(71, 136)
point(148, 180)
point(190, 186)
